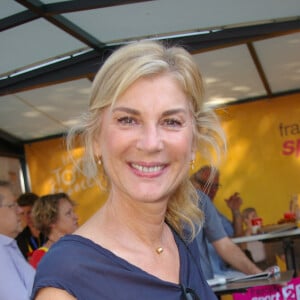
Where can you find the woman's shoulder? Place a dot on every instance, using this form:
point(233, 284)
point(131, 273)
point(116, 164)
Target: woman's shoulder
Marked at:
point(71, 244)
point(75, 248)
point(72, 239)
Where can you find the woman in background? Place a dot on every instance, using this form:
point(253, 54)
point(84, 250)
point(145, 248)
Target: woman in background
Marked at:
point(54, 216)
point(144, 126)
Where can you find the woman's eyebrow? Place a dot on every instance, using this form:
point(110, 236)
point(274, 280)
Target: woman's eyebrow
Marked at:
point(126, 109)
point(174, 111)
point(136, 112)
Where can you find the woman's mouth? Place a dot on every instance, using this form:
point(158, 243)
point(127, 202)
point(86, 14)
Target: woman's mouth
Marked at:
point(147, 169)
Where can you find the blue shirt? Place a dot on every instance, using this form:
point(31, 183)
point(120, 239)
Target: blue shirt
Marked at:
point(218, 265)
point(216, 226)
point(16, 275)
point(211, 231)
point(88, 271)
point(227, 224)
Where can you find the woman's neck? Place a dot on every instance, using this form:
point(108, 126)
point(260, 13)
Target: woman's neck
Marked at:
point(53, 238)
point(145, 222)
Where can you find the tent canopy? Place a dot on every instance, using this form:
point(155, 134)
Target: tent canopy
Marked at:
point(50, 51)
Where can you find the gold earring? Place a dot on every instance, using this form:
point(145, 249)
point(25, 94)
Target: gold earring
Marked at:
point(193, 164)
point(99, 162)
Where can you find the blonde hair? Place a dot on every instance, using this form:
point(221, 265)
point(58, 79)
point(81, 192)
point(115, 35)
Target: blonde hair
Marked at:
point(124, 67)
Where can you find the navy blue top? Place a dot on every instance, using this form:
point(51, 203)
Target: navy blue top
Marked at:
point(88, 271)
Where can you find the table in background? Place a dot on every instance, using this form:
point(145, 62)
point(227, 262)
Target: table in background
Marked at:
point(242, 286)
point(287, 237)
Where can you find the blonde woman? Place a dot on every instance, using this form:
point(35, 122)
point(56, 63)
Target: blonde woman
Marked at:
point(144, 126)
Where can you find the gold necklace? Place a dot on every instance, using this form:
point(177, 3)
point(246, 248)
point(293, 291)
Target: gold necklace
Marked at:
point(159, 250)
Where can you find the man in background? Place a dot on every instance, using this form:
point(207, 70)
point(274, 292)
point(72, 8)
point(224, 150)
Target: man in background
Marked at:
point(30, 238)
point(16, 275)
point(207, 179)
point(216, 250)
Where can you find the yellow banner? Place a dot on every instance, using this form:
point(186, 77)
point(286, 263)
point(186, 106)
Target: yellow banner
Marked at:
point(51, 170)
point(263, 161)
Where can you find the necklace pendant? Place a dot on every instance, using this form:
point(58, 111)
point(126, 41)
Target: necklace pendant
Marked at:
point(159, 250)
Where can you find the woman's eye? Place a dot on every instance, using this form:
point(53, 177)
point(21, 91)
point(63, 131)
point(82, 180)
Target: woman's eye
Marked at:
point(126, 120)
point(173, 122)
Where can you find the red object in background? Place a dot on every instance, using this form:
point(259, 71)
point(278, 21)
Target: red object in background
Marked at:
point(256, 222)
point(289, 215)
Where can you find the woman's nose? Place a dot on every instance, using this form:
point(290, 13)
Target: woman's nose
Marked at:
point(150, 139)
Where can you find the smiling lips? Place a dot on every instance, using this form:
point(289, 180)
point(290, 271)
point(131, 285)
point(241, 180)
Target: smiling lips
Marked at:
point(148, 169)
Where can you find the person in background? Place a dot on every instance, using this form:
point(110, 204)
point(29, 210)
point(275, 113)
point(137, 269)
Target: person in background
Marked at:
point(248, 214)
point(219, 256)
point(144, 126)
point(54, 216)
point(30, 238)
point(16, 275)
point(255, 248)
point(207, 179)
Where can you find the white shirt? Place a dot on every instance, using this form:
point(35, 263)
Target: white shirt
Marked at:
point(16, 275)
point(257, 250)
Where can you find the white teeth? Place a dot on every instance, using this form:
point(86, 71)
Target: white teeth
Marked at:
point(147, 169)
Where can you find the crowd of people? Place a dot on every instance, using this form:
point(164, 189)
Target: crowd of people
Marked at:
point(29, 225)
point(158, 235)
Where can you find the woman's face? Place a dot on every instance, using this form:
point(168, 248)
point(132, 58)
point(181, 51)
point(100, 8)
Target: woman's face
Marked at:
point(146, 139)
point(67, 221)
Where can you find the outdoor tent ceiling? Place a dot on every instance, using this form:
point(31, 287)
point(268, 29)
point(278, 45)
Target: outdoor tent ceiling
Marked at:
point(50, 51)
